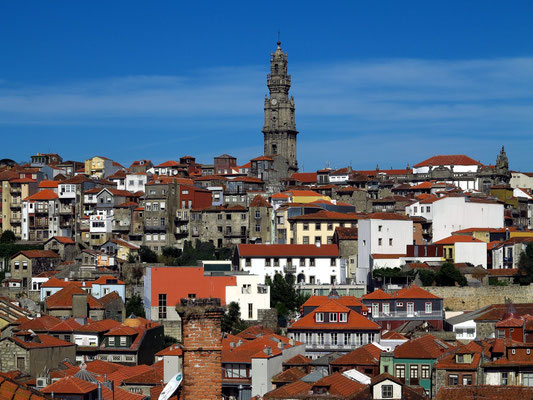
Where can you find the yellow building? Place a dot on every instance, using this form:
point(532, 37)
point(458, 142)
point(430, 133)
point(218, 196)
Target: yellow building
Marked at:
point(100, 167)
point(306, 196)
point(319, 227)
point(14, 189)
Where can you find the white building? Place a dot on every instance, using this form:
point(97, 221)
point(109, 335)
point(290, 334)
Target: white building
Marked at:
point(40, 216)
point(381, 236)
point(457, 163)
point(313, 264)
point(521, 180)
point(251, 294)
point(449, 214)
point(135, 182)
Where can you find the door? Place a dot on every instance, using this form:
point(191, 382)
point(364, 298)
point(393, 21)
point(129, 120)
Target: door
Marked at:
point(410, 309)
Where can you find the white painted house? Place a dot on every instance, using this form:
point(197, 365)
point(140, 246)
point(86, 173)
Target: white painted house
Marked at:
point(453, 213)
point(384, 237)
point(309, 263)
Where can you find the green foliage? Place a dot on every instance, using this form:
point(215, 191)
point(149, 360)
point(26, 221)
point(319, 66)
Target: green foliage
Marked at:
point(134, 305)
point(391, 273)
point(190, 255)
point(231, 320)
point(525, 265)
point(147, 255)
point(169, 341)
point(427, 277)
point(8, 237)
point(284, 297)
point(448, 275)
point(131, 258)
point(494, 281)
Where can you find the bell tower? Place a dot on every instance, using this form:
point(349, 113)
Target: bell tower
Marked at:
point(280, 128)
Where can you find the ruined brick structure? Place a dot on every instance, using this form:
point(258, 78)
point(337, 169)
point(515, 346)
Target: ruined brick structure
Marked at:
point(202, 348)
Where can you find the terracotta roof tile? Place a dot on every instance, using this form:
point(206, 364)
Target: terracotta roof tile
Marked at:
point(368, 354)
point(298, 359)
point(38, 254)
point(454, 159)
point(486, 392)
point(414, 292)
point(63, 298)
point(45, 194)
point(425, 347)
point(458, 239)
point(289, 375)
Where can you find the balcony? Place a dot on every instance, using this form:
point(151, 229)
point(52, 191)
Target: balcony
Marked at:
point(161, 228)
point(182, 230)
point(409, 315)
point(333, 347)
point(15, 204)
point(182, 216)
point(15, 220)
point(15, 189)
point(289, 268)
point(66, 210)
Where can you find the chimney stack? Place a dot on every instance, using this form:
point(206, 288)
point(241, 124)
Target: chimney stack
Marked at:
point(202, 348)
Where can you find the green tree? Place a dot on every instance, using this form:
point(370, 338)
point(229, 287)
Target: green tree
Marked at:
point(135, 306)
point(231, 320)
point(284, 297)
point(525, 265)
point(427, 277)
point(8, 237)
point(448, 275)
point(147, 255)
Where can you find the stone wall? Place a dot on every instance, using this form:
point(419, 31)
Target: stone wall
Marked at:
point(472, 298)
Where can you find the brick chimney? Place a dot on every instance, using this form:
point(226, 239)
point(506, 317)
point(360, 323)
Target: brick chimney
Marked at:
point(202, 348)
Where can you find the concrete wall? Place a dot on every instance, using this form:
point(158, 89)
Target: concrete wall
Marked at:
point(471, 298)
point(474, 253)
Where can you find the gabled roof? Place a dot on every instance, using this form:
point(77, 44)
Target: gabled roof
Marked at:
point(458, 239)
point(39, 341)
point(287, 250)
point(377, 294)
point(37, 254)
point(172, 350)
point(43, 195)
point(454, 159)
point(63, 298)
point(347, 301)
point(414, 292)
point(259, 201)
point(289, 375)
point(46, 184)
point(425, 347)
point(344, 233)
point(304, 177)
point(43, 323)
point(10, 389)
point(62, 240)
point(368, 354)
point(355, 321)
point(298, 359)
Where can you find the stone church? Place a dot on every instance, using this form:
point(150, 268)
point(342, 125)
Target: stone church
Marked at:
point(279, 129)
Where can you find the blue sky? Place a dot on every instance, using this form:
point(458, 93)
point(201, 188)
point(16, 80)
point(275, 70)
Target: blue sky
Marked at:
point(383, 82)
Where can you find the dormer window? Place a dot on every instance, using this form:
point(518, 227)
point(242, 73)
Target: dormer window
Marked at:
point(332, 317)
point(343, 317)
point(319, 317)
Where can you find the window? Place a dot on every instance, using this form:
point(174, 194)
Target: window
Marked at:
point(318, 226)
point(332, 317)
point(21, 364)
point(380, 228)
point(17, 265)
point(413, 372)
point(453, 380)
point(380, 241)
point(467, 380)
point(219, 216)
point(123, 340)
point(248, 262)
point(162, 305)
point(505, 379)
point(305, 240)
point(243, 217)
point(334, 339)
point(343, 317)
point(333, 262)
point(24, 265)
point(257, 214)
point(219, 228)
point(428, 208)
point(347, 339)
point(400, 371)
point(527, 379)
point(267, 262)
point(302, 262)
point(375, 309)
point(319, 317)
point(429, 308)
point(385, 308)
point(257, 227)
point(250, 311)
point(320, 338)
point(425, 371)
point(306, 226)
point(276, 262)
point(311, 262)
point(386, 391)
point(390, 242)
point(228, 217)
point(111, 341)
point(330, 226)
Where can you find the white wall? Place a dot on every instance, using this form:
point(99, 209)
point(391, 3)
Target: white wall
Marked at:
point(451, 214)
point(472, 252)
point(322, 271)
point(244, 295)
point(396, 390)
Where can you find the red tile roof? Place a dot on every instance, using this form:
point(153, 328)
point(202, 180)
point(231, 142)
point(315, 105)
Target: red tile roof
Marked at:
point(425, 347)
point(454, 159)
point(63, 298)
point(377, 294)
point(387, 216)
point(37, 254)
point(304, 177)
point(259, 201)
point(40, 341)
point(10, 389)
point(344, 233)
point(289, 375)
point(235, 349)
point(48, 184)
point(348, 301)
point(485, 392)
point(45, 194)
point(287, 250)
point(414, 292)
point(64, 239)
point(289, 391)
point(324, 215)
point(298, 359)
point(368, 354)
point(339, 385)
point(458, 239)
point(355, 320)
point(172, 350)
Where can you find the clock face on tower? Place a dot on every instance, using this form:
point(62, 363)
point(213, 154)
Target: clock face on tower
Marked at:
point(273, 102)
